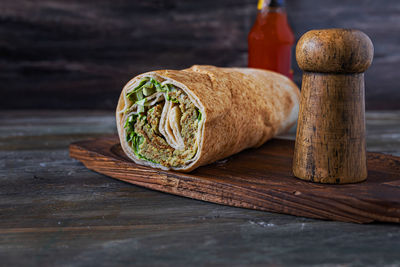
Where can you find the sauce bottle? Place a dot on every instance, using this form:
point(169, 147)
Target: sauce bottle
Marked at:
point(271, 39)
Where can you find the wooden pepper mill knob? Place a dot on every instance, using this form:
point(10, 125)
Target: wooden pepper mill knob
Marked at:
point(330, 140)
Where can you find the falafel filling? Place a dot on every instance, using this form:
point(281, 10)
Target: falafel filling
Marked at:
point(142, 126)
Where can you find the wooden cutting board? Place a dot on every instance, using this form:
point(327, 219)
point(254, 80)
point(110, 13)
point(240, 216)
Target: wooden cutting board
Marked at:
point(260, 179)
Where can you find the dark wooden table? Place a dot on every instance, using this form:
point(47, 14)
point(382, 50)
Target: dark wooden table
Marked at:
point(54, 211)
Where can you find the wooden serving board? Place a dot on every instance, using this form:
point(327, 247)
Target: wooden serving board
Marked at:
point(260, 179)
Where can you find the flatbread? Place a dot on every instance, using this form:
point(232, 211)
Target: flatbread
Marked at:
point(240, 107)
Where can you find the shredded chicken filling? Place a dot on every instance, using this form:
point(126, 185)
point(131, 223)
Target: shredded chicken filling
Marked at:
point(171, 142)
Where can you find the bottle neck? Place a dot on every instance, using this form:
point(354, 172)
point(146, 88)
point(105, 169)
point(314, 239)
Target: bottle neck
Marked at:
point(271, 5)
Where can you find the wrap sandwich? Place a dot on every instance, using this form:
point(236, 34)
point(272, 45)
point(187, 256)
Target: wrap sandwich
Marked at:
point(182, 119)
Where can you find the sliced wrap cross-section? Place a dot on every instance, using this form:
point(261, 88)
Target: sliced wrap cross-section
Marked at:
point(183, 119)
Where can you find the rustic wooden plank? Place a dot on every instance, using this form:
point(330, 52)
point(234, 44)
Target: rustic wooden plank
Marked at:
point(127, 224)
point(243, 242)
point(79, 54)
point(259, 179)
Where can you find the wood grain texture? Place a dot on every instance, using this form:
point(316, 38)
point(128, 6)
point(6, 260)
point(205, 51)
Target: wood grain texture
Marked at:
point(330, 140)
point(79, 54)
point(259, 179)
point(334, 51)
point(55, 211)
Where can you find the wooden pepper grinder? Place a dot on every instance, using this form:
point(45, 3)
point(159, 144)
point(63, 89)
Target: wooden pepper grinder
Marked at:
point(330, 140)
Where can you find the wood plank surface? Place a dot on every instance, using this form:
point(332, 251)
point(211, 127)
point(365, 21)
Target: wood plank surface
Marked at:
point(66, 54)
point(56, 212)
point(260, 179)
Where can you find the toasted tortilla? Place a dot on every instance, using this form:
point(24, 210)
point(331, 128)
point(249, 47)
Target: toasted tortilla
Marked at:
point(240, 108)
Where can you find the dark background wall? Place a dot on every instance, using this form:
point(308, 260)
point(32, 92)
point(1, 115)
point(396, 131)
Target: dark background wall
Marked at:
point(79, 54)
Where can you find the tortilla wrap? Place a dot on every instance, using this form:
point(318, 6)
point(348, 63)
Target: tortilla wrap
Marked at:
point(182, 119)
